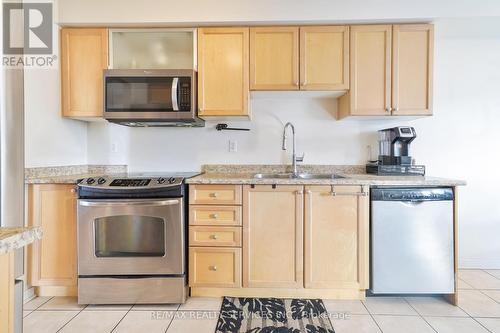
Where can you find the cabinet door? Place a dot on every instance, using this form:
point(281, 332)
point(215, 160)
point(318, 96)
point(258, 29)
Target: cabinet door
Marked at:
point(7, 277)
point(274, 58)
point(370, 72)
point(273, 236)
point(324, 58)
point(223, 71)
point(84, 56)
point(336, 237)
point(53, 208)
point(412, 66)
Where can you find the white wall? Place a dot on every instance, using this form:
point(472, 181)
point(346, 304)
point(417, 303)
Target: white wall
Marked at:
point(49, 139)
point(226, 11)
point(459, 141)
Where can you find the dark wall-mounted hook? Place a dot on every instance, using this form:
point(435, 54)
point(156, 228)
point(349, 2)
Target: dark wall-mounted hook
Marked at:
point(224, 127)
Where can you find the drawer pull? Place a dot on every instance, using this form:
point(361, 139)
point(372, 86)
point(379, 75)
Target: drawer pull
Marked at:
point(214, 216)
point(214, 237)
point(213, 195)
point(212, 268)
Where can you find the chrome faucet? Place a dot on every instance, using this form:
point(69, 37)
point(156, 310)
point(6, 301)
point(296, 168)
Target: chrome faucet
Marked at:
point(295, 158)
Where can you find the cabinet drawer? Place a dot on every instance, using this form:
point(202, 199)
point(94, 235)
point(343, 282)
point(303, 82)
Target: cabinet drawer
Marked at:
point(214, 267)
point(215, 194)
point(214, 215)
point(215, 236)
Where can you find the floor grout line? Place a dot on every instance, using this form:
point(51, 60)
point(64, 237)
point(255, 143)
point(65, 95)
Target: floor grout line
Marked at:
point(491, 274)
point(71, 319)
point(40, 304)
point(119, 321)
point(172, 319)
point(370, 314)
point(420, 315)
point(481, 291)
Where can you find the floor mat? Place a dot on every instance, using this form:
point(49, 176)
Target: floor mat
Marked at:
point(273, 315)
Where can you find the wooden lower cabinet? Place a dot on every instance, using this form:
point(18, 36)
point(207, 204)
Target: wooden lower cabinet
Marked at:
point(7, 292)
point(214, 267)
point(52, 264)
point(336, 237)
point(298, 241)
point(272, 236)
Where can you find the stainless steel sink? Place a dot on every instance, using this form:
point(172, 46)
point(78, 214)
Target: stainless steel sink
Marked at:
point(273, 176)
point(320, 176)
point(299, 176)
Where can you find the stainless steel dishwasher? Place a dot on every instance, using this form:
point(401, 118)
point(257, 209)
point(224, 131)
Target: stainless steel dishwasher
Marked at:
point(412, 241)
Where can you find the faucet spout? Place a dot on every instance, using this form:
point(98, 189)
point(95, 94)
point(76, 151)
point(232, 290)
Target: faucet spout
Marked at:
point(294, 155)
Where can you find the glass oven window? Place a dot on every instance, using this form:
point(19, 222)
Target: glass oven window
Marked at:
point(129, 236)
point(139, 94)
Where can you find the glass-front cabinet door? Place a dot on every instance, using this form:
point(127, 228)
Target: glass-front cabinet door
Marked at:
point(152, 48)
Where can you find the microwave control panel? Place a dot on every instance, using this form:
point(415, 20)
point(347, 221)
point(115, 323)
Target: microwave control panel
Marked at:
point(185, 93)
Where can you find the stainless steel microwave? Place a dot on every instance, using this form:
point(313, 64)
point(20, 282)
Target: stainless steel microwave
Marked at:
point(157, 97)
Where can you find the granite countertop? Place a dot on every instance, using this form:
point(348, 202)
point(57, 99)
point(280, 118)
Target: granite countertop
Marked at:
point(13, 238)
point(353, 175)
point(70, 174)
point(350, 179)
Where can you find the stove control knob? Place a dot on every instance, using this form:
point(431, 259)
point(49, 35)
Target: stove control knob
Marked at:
point(171, 180)
point(90, 181)
point(161, 180)
point(101, 181)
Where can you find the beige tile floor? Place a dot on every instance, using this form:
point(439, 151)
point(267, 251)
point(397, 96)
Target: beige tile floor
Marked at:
point(478, 311)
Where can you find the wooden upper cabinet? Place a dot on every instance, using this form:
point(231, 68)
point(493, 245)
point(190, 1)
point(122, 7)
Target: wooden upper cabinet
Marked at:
point(370, 72)
point(412, 67)
point(273, 236)
point(84, 56)
point(324, 58)
point(274, 58)
point(53, 259)
point(336, 237)
point(223, 66)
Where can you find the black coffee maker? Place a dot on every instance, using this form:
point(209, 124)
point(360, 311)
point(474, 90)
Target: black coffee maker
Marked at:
point(394, 153)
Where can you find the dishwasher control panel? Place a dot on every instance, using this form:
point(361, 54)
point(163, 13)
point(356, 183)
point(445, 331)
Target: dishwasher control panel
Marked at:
point(412, 194)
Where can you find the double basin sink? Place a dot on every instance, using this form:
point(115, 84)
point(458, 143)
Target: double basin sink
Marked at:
point(298, 176)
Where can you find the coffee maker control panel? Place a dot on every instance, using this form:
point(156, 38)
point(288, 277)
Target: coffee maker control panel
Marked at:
point(406, 132)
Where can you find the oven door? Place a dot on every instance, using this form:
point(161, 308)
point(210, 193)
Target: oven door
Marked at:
point(131, 237)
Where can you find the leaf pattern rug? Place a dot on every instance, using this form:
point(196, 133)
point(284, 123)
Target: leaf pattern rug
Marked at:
point(273, 315)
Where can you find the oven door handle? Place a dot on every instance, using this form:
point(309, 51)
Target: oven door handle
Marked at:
point(102, 203)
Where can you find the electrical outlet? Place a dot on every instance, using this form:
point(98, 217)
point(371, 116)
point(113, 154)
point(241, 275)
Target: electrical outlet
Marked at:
point(233, 146)
point(114, 147)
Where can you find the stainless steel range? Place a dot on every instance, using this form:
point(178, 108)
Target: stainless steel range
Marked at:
point(132, 239)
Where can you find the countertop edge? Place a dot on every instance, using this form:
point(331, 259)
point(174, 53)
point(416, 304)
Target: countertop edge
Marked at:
point(370, 180)
point(20, 238)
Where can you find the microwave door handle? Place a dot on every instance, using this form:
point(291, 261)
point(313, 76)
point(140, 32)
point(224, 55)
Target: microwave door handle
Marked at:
point(175, 84)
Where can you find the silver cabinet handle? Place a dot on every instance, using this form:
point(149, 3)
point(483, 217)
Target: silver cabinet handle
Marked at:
point(387, 109)
point(73, 190)
point(214, 216)
point(334, 193)
point(213, 268)
point(299, 192)
point(395, 109)
point(213, 195)
point(214, 237)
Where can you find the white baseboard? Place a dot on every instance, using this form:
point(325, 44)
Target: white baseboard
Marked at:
point(482, 263)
